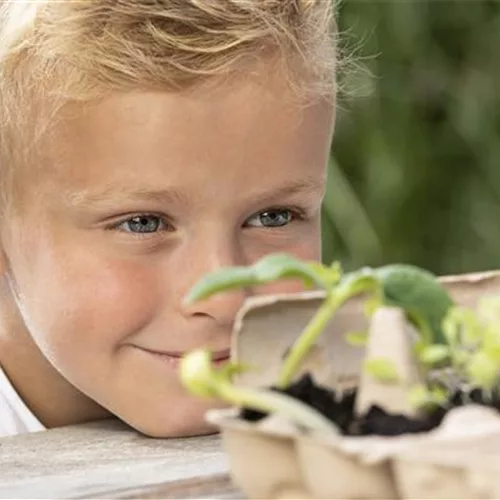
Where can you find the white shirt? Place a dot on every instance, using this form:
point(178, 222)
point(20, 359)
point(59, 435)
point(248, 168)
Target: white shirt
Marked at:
point(15, 416)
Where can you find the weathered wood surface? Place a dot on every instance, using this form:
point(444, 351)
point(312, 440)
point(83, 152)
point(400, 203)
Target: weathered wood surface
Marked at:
point(109, 460)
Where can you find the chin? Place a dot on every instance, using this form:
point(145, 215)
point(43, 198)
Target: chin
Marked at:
point(181, 422)
point(167, 431)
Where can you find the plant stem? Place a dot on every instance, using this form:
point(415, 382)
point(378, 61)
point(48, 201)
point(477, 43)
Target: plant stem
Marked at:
point(278, 404)
point(307, 339)
point(356, 283)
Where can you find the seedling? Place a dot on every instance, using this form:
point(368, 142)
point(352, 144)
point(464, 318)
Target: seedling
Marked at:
point(414, 290)
point(203, 380)
point(473, 346)
point(381, 369)
point(470, 357)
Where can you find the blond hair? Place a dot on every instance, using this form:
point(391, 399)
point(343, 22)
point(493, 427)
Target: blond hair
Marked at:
point(53, 51)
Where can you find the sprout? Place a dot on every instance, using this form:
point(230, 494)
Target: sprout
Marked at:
point(414, 290)
point(471, 353)
point(381, 369)
point(270, 268)
point(357, 339)
point(466, 341)
point(474, 344)
point(423, 397)
point(203, 380)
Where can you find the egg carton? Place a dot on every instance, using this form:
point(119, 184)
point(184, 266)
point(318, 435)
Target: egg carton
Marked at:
point(274, 459)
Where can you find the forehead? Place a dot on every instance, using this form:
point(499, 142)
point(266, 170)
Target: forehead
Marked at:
point(235, 131)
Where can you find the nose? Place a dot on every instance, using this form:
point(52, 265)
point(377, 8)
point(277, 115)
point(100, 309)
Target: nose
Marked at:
point(221, 307)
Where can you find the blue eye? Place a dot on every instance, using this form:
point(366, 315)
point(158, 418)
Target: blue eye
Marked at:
point(271, 218)
point(142, 224)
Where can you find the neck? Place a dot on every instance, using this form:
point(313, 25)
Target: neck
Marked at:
point(50, 397)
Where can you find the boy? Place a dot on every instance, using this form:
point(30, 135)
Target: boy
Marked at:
point(143, 144)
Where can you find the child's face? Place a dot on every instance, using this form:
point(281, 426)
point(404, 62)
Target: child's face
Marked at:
point(135, 200)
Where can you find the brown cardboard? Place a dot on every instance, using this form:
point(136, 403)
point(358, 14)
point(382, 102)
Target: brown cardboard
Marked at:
point(390, 338)
point(451, 462)
point(262, 460)
point(331, 471)
point(267, 326)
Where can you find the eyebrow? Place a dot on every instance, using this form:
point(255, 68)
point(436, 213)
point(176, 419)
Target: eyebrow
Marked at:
point(85, 198)
point(107, 196)
point(304, 186)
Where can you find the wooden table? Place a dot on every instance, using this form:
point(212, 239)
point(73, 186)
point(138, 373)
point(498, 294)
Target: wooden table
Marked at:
point(109, 460)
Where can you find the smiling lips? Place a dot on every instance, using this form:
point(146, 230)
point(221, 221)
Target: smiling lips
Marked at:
point(174, 358)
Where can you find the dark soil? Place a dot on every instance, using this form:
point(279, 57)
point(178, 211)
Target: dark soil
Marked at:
point(339, 408)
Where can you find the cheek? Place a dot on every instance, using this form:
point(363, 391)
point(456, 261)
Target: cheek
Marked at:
point(80, 303)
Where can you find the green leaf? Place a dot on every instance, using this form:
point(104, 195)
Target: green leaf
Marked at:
point(381, 369)
point(418, 347)
point(489, 309)
point(357, 338)
point(222, 280)
point(197, 374)
point(336, 267)
point(329, 276)
point(268, 269)
point(371, 305)
point(491, 343)
point(282, 265)
point(422, 397)
point(439, 395)
point(229, 369)
point(419, 396)
point(472, 329)
point(460, 357)
point(451, 327)
point(362, 280)
point(434, 354)
point(419, 293)
point(201, 378)
point(461, 326)
point(482, 370)
point(489, 312)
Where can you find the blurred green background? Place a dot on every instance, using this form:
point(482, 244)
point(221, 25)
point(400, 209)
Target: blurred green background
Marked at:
point(414, 173)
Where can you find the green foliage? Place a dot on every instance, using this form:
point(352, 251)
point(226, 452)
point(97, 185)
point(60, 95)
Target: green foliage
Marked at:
point(419, 293)
point(433, 355)
point(357, 339)
point(427, 398)
point(414, 290)
point(472, 352)
point(474, 343)
point(414, 171)
point(270, 268)
point(381, 369)
point(203, 380)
